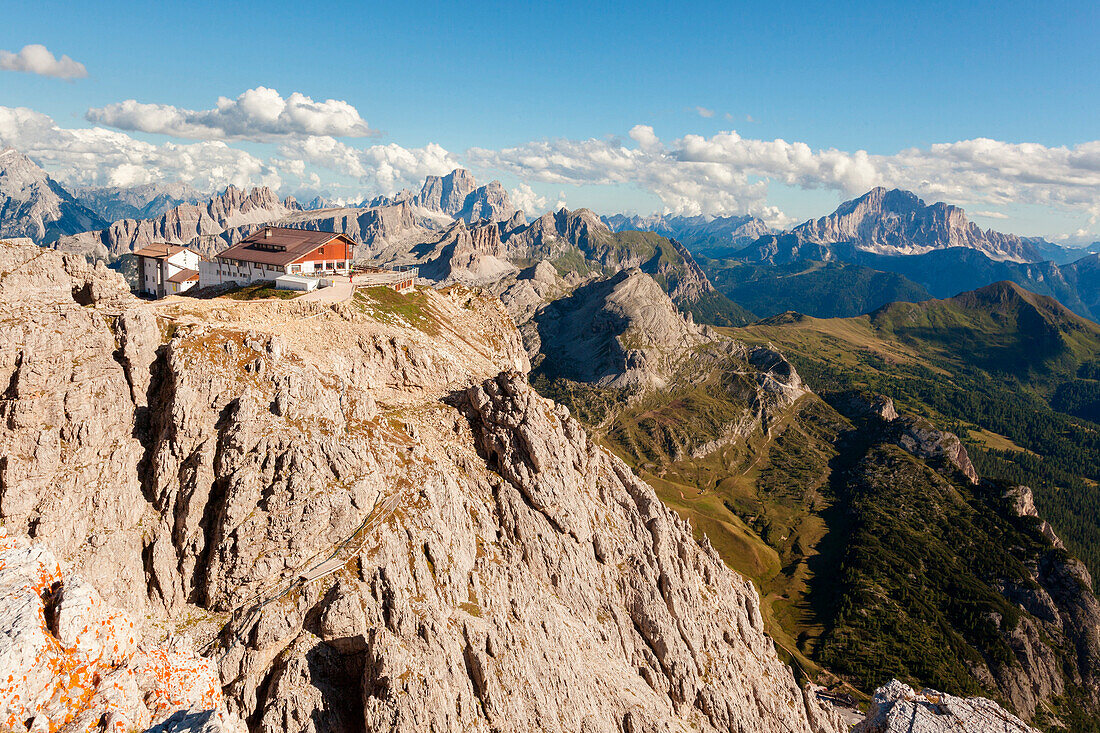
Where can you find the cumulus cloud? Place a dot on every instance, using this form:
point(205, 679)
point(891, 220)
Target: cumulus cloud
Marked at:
point(257, 114)
point(103, 157)
point(685, 188)
point(525, 199)
point(704, 112)
point(725, 173)
point(729, 174)
point(37, 59)
point(381, 168)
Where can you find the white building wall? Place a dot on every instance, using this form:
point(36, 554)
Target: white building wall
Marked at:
point(154, 272)
point(239, 273)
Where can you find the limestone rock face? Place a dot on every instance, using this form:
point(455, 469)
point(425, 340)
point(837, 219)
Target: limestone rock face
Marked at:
point(926, 441)
point(183, 224)
point(446, 194)
point(75, 349)
point(619, 331)
point(389, 532)
point(487, 202)
point(536, 584)
point(897, 708)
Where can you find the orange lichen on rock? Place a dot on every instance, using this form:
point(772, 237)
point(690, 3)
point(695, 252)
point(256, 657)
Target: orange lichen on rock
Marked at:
point(69, 660)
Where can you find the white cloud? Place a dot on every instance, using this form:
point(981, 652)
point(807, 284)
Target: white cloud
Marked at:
point(37, 59)
point(729, 174)
point(257, 114)
point(721, 174)
point(98, 156)
point(686, 188)
point(381, 168)
point(704, 112)
point(525, 199)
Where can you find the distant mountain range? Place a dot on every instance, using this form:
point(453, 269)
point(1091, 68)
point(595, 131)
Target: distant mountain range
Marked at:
point(35, 206)
point(707, 235)
point(884, 246)
point(147, 201)
point(890, 222)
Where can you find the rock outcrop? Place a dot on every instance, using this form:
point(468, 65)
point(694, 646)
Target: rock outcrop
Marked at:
point(35, 206)
point(620, 331)
point(897, 708)
point(68, 661)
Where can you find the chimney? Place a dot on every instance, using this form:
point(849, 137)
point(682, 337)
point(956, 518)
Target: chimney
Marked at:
point(267, 232)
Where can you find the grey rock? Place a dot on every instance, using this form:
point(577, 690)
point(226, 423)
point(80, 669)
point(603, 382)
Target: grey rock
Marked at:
point(897, 708)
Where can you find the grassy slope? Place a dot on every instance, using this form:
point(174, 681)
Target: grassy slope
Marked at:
point(862, 553)
point(986, 365)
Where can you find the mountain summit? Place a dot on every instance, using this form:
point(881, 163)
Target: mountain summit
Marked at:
point(35, 206)
point(891, 222)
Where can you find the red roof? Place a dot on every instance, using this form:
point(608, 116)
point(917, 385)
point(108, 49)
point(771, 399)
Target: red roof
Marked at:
point(184, 276)
point(279, 245)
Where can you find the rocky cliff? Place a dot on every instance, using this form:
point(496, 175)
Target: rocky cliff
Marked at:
point(458, 196)
point(35, 206)
point(367, 512)
point(897, 708)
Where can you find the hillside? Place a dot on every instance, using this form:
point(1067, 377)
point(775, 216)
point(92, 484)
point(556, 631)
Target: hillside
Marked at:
point(1011, 371)
point(363, 513)
point(823, 289)
point(866, 527)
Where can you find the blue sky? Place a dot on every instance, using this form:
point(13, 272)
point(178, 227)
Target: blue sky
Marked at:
point(876, 77)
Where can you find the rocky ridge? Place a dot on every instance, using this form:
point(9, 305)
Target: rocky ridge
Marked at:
point(402, 535)
point(386, 224)
point(197, 225)
point(458, 196)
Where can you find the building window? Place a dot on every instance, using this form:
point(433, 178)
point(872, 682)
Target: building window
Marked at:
point(295, 269)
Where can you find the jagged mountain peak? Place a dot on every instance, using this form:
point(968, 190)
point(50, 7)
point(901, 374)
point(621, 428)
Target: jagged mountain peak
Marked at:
point(881, 199)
